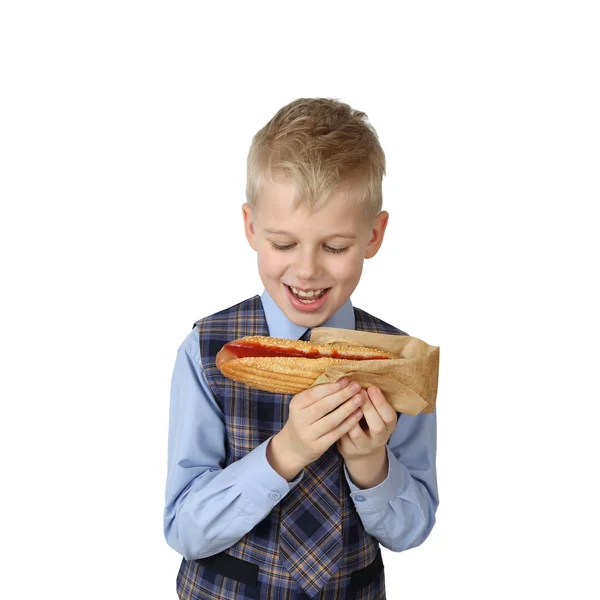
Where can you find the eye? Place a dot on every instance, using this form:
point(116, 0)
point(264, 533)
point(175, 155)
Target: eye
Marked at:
point(278, 247)
point(335, 250)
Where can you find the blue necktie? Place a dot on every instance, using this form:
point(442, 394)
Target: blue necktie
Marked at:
point(310, 536)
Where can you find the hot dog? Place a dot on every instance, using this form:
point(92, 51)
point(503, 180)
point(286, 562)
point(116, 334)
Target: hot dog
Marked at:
point(286, 366)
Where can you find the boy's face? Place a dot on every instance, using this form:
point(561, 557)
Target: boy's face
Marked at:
point(319, 254)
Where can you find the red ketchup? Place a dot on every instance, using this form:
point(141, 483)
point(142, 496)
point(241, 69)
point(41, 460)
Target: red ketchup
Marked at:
point(251, 348)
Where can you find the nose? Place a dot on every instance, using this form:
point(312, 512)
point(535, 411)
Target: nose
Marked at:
point(307, 266)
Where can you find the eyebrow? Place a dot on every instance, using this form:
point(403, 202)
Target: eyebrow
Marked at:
point(281, 232)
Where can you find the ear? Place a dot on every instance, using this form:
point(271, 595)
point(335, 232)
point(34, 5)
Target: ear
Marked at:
point(249, 225)
point(377, 232)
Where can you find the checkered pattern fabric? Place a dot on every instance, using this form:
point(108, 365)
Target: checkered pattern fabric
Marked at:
point(306, 335)
point(310, 538)
point(251, 417)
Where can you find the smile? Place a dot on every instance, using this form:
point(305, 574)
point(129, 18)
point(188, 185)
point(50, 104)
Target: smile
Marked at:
point(309, 296)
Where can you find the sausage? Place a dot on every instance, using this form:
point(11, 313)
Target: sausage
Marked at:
point(286, 366)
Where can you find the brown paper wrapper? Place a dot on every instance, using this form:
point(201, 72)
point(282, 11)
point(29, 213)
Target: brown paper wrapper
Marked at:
point(409, 383)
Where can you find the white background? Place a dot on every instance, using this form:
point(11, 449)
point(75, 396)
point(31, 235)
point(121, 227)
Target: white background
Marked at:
point(124, 130)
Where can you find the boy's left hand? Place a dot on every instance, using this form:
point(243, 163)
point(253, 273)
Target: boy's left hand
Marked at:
point(373, 431)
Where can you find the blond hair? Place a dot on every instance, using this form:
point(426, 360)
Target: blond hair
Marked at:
point(323, 145)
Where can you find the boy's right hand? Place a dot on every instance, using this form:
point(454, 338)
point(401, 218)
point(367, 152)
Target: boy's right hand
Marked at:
point(318, 417)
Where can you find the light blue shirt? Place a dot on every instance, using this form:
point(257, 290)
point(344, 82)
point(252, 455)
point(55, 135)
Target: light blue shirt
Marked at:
point(209, 507)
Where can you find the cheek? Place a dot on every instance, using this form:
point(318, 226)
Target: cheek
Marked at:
point(270, 263)
point(348, 269)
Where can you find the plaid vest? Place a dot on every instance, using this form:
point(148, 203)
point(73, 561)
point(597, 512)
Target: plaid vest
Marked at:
point(251, 417)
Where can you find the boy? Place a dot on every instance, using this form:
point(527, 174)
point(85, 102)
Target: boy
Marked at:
point(277, 497)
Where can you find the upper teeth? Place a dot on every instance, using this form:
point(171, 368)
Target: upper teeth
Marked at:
point(306, 294)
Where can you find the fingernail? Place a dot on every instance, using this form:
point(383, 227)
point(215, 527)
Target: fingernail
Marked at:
point(355, 386)
point(358, 400)
point(343, 381)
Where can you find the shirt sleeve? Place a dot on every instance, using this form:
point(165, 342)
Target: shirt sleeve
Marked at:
point(208, 506)
point(400, 511)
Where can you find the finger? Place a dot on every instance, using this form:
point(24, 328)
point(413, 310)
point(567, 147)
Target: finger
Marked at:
point(315, 394)
point(335, 417)
point(386, 412)
point(345, 444)
point(358, 437)
point(329, 403)
point(344, 427)
point(373, 418)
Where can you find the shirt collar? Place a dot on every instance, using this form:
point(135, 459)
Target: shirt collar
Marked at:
point(280, 326)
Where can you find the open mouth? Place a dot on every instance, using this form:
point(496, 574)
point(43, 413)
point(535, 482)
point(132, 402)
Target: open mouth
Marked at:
point(307, 297)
